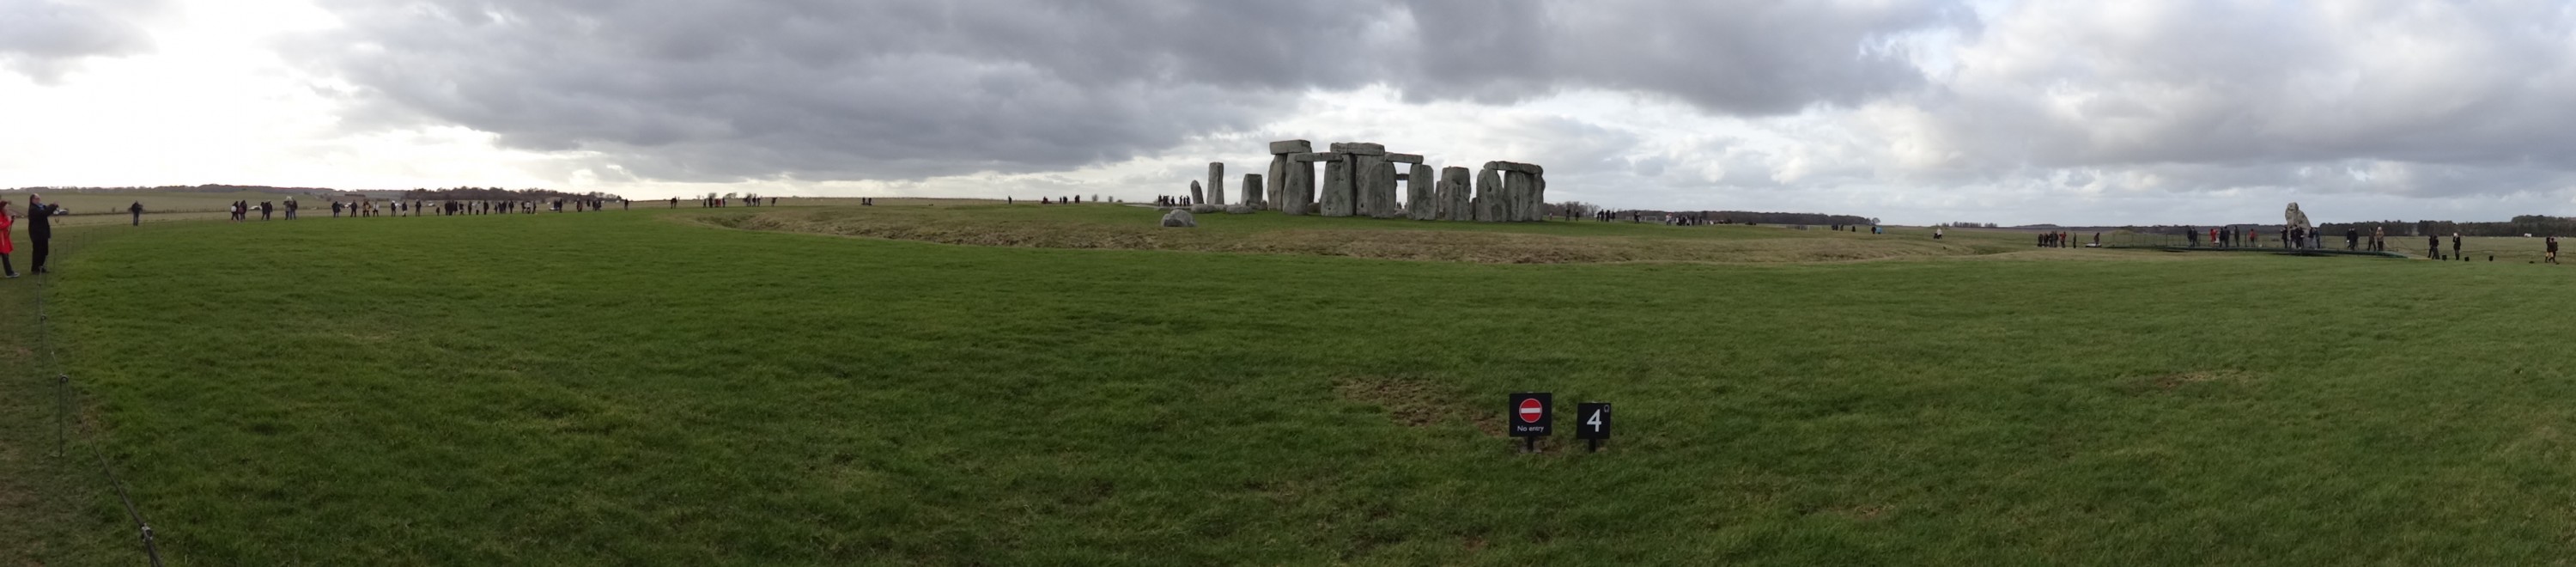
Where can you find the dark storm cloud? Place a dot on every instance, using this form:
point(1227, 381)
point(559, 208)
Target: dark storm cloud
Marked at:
point(42, 38)
point(681, 90)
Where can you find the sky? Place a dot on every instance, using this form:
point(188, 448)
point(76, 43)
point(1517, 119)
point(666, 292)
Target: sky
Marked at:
point(1914, 112)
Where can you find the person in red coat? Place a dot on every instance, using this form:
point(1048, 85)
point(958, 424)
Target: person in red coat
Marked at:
point(6, 220)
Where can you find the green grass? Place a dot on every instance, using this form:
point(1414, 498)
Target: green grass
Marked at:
point(630, 388)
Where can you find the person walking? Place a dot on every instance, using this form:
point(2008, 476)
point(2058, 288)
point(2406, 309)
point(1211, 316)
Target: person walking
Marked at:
point(40, 231)
point(6, 247)
point(2552, 256)
point(2433, 246)
point(2455, 245)
point(137, 210)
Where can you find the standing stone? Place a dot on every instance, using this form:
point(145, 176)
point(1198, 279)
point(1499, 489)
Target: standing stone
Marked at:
point(1456, 200)
point(1381, 188)
point(1538, 190)
point(1337, 189)
point(1489, 196)
point(1297, 194)
point(1278, 178)
point(1216, 183)
point(1252, 191)
point(1421, 197)
point(1364, 198)
point(1275, 192)
point(1516, 184)
point(1196, 195)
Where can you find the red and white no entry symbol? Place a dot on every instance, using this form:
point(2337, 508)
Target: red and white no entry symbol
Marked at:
point(1531, 410)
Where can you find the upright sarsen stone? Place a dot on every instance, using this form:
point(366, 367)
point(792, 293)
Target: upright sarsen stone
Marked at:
point(1456, 199)
point(1538, 191)
point(1216, 183)
point(1297, 194)
point(1380, 187)
point(1337, 189)
point(1421, 194)
point(1489, 196)
point(1278, 178)
point(1197, 195)
point(1252, 191)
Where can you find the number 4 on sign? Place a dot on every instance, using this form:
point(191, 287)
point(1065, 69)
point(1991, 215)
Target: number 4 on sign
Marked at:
point(1596, 423)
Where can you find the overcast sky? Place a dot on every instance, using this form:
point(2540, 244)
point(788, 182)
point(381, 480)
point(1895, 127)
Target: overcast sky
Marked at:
point(2075, 112)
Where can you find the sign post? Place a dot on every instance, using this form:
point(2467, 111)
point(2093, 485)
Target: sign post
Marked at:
point(1530, 418)
point(1595, 424)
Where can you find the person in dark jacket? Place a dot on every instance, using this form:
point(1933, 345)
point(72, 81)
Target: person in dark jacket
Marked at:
point(137, 210)
point(40, 230)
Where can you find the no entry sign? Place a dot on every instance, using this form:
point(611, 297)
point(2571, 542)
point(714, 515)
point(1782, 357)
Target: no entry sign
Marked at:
point(1530, 413)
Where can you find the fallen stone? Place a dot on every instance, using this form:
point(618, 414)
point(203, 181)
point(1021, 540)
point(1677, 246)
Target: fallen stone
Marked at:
point(1415, 159)
point(1240, 209)
point(1204, 208)
point(1180, 219)
point(1359, 148)
point(1291, 147)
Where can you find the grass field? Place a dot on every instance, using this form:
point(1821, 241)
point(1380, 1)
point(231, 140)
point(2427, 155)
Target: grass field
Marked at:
point(651, 388)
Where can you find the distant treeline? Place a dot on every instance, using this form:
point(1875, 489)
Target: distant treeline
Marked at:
point(500, 194)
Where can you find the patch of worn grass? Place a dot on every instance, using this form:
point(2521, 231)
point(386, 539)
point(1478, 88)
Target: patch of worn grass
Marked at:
point(1129, 227)
point(612, 388)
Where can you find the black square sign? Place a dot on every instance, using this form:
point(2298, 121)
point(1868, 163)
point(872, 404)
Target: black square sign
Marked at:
point(1528, 414)
point(1592, 420)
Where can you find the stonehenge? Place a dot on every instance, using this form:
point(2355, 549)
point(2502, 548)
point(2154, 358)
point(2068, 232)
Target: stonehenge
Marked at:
point(1360, 179)
point(1196, 194)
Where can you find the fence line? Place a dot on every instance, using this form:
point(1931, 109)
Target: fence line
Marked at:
point(63, 414)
